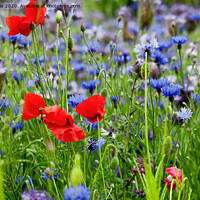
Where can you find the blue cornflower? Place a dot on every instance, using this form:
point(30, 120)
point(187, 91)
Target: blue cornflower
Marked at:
point(158, 84)
point(170, 90)
point(195, 98)
point(141, 48)
point(95, 144)
point(29, 180)
point(46, 177)
point(114, 99)
point(17, 127)
point(90, 85)
point(75, 100)
point(14, 38)
point(34, 194)
point(165, 44)
point(159, 57)
point(180, 39)
point(17, 76)
point(184, 114)
point(94, 125)
point(195, 17)
point(79, 192)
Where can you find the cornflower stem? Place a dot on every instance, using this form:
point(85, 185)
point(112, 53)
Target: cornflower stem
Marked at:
point(62, 98)
point(34, 43)
point(112, 76)
point(43, 48)
point(127, 138)
point(100, 160)
point(95, 177)
point(182, 74)
point(146, 102)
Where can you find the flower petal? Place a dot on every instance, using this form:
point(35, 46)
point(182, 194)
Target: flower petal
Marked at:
point(32, 103)
point(70, 133)
point(13, 23)
point(92, 108)
point(55, 114)
point(34, 13)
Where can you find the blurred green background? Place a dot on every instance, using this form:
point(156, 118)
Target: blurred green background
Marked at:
point(109, 7)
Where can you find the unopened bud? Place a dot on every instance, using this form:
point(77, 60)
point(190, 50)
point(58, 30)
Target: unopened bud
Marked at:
point(167, 145)
point(82, 28)
point(59, 16)
point(114, 163)
point(104, 92)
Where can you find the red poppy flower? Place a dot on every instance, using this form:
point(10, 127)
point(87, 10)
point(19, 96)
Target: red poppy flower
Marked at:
point(67, 133)
point(31, 106)
point(92, 108)
point(173, 172)
point(18, 25)
point(35, 13)
point(55, 114)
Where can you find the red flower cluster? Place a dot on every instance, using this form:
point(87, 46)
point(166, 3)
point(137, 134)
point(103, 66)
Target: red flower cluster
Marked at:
point(58, 120)
point(173, 173)
point(33, 15)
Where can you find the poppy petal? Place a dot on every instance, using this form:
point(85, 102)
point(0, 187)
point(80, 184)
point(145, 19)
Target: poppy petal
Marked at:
point(173, 171)
point(13, 23)
point(34, 13)
point(25, 26)
point(71, 133)
point(92, 108)
point(32, 103)
point(55, 114)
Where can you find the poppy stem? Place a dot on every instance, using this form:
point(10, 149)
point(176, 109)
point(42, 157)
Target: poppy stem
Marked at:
point(100, 160)
point(62, 98)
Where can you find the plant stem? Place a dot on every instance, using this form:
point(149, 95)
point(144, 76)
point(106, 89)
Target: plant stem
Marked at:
point(146, 102)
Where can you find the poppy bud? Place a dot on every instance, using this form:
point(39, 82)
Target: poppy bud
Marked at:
point(111, 43)
point(167, 145)
point(104, 92)
point(82, 28)
point(48, 171)
point(130, 81)
point(70, 44)
point(76, 173)
point(114, 163)
point(143, 70)
point(58, 17)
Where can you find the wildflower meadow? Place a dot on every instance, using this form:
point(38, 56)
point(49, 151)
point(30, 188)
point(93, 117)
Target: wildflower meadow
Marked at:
point(99, 100)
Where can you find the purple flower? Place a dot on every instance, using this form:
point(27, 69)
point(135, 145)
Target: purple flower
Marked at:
point(34, 194)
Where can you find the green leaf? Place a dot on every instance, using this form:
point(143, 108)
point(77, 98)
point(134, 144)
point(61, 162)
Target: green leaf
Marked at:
point(151, 184)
